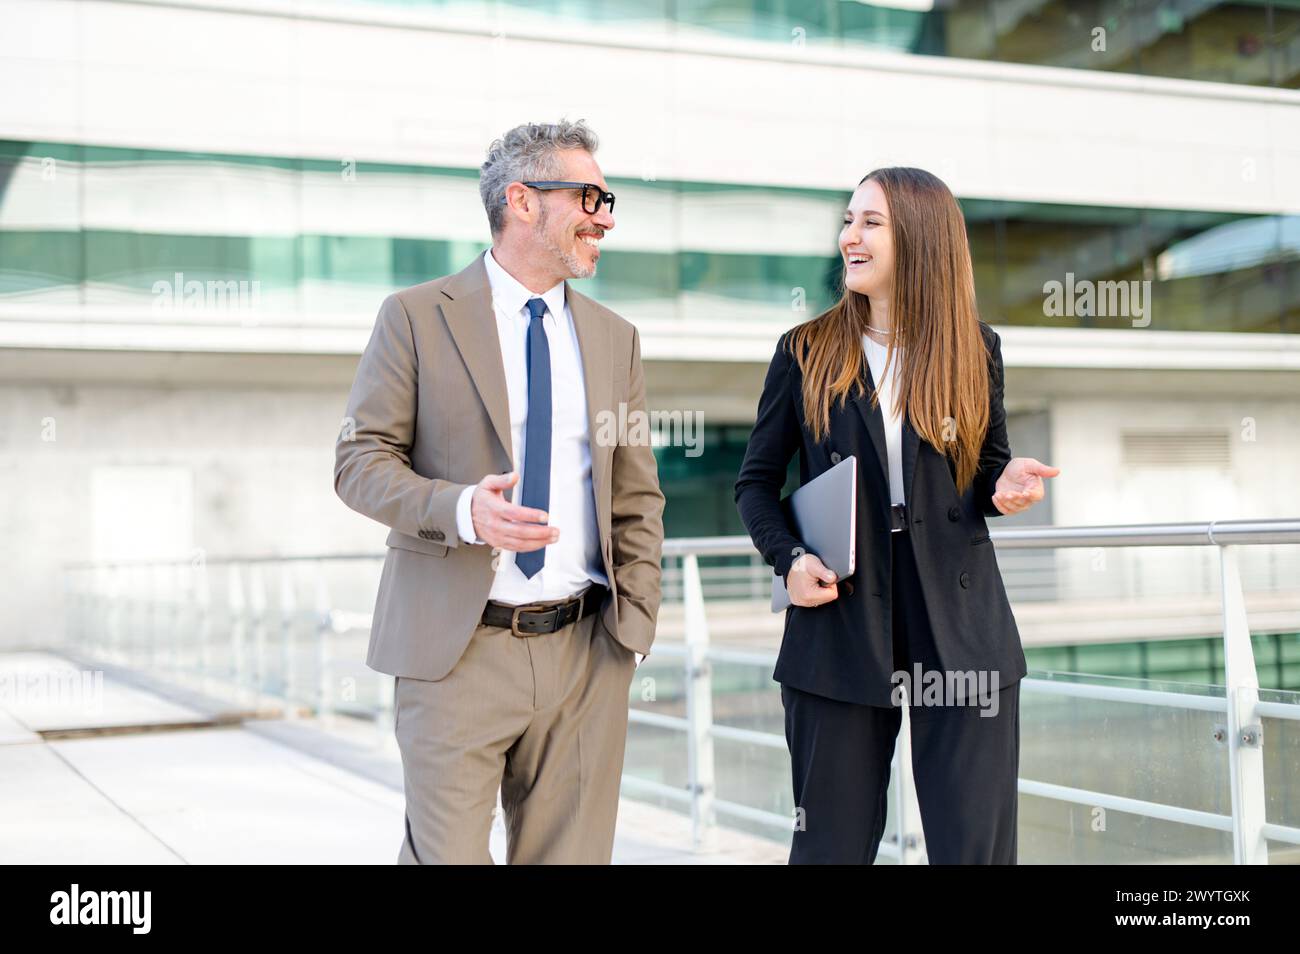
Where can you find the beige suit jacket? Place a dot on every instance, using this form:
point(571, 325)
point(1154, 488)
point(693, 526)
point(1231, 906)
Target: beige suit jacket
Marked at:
point(428, 415)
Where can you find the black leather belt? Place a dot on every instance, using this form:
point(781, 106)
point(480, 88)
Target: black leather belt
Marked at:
point(898, 517)
point(536, 619)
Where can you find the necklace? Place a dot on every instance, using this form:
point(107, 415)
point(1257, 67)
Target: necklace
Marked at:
point(880, 331)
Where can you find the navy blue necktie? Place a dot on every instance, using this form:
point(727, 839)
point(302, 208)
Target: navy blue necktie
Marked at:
point(537, 433)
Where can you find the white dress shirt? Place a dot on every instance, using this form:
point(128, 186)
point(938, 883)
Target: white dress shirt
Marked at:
point(575, 560)
point(893, 421)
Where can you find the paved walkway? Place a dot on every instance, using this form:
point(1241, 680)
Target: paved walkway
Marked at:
point(124, 775)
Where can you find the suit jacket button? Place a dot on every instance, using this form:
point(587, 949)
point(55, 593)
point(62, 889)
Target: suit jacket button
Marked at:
point(964, 579)
point(954, 514)
point(835, 457)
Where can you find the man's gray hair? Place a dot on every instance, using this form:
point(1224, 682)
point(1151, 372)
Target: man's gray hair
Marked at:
point(527, 153)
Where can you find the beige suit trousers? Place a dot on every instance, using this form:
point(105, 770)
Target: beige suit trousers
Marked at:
point(542, 718)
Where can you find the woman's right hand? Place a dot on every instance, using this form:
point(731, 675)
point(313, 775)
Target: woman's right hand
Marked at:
point(802, 582)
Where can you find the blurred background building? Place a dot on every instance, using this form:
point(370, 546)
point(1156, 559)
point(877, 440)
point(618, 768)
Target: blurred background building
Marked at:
point(202, 205)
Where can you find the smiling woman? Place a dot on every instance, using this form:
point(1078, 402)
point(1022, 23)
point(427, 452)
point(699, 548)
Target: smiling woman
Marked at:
point(903, 375)
point(908, 285)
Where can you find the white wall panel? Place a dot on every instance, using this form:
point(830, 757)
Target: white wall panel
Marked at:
point(300, 84)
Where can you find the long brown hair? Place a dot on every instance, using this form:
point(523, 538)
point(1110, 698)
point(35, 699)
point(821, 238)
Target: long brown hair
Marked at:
point(943, 382)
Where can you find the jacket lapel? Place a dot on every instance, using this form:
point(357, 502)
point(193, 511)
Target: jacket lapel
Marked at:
point(596, 344)
point(467, 306)
point(911, 446)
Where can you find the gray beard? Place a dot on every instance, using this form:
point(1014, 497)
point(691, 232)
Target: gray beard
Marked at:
point(572, 264)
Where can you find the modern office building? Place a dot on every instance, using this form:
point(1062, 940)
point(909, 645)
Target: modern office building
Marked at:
point(202, 205)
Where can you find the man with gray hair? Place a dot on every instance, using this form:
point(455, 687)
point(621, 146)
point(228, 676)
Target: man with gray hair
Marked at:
point(522, 577)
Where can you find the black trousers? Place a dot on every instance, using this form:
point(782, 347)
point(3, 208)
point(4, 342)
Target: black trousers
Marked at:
point(965, 764)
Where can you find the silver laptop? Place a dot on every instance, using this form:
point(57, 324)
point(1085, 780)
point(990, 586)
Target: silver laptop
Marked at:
point(823, 513)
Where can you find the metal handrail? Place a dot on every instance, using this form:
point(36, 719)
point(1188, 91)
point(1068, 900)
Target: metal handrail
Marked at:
point(1208, 533)
point(1240, 702)
point(1211, 533)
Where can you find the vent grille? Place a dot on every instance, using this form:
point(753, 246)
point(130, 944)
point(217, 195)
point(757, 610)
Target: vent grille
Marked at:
point(1176, 448)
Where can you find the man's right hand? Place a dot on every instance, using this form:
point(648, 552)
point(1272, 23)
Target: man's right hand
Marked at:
point(802, 582)
point(509, 526)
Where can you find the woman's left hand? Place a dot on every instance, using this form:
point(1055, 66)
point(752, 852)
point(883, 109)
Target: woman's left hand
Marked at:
point(1021, 484)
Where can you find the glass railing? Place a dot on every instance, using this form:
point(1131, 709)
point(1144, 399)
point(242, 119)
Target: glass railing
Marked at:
point(1113, 769)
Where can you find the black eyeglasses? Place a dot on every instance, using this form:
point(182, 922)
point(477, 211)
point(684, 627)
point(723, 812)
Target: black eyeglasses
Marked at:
point(593, 196)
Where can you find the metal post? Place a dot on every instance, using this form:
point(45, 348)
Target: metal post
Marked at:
point(152, 613)
point(237, 623)
point(288, 610)
point(257, 621)
point(1245, 728)
point(324, 627)
point(172, 602)
point(911, 836)
point(118, 621)
point(203, 621)
point(72, 634)
point(137, 647)
point(699, 705)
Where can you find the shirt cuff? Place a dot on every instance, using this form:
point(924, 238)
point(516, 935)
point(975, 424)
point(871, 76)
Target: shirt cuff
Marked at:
point(464, 518)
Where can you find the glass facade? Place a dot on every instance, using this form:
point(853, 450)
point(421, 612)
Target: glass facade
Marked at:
point(112, 231)
point(1253, 43)
point(700, 491)
point(1277, 659)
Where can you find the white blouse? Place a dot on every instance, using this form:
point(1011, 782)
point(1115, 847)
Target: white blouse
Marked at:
point(893, 422)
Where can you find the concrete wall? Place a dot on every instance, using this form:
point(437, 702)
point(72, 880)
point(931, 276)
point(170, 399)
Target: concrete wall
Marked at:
point(136, 470)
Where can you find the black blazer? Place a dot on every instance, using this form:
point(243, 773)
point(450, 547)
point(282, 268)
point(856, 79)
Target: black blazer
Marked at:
point(844, 649)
